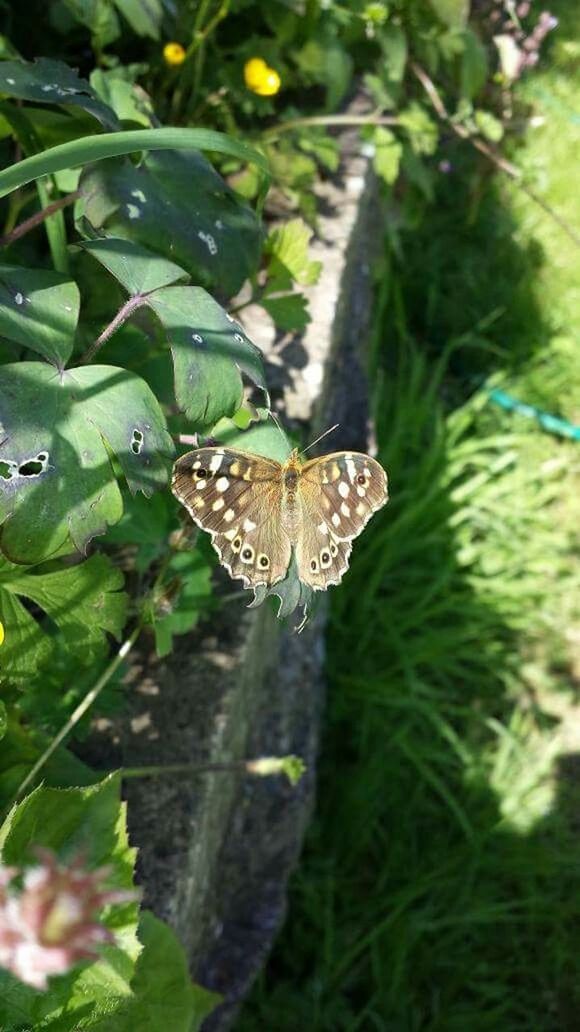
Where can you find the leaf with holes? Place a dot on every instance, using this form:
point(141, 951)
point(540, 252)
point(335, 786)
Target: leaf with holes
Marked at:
point(137, 269)
point(39, 309)
point(210, 351)
point(84, 602)
point(176, 204)
point(58, 431)
point(52, 82)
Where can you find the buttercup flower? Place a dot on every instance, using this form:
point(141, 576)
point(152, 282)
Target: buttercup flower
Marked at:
point(174, 54)
point(49, 925)
point(260, 78)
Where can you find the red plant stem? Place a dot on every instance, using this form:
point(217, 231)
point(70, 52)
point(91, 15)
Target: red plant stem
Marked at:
point(122, 315)
point(38, 218)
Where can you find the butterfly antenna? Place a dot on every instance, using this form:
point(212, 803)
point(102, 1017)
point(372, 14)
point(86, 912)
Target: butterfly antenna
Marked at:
point(325, 434)
point(277, 422)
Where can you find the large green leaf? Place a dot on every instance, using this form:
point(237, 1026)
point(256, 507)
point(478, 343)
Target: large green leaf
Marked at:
point(52, 82)
point(39, 309)
point(210, 350)
point(192, 574)
point(85, 602)
point(137, 269)
point(99, 16)
point(178, 206)
point(58, 432)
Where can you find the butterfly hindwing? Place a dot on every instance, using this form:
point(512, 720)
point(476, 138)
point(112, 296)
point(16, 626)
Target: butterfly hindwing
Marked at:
point(237, 498)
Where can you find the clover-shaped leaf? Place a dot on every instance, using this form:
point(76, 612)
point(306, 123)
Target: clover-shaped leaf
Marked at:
point(176, 204)
point(138, 270)
point(39, 309)
point(210, 351)
point(52, 82)
point(57, 433)
point(85, 602)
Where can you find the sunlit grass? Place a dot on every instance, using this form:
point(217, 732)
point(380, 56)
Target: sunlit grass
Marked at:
point(440, 886)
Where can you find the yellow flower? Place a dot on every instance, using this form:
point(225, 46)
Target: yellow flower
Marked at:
point(1, 632)
point(260, 78)
point(174, 54)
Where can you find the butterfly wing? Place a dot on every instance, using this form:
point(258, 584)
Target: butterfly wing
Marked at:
point(237, 498)
point(339, 494)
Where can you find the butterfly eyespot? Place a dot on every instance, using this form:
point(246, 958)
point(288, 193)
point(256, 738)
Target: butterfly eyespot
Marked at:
point(263, 562)
point(333, 550)
point(200, 474)
point(325, 559)
point(247, 555)
point(237, 544)
point(314, 565)
point(361, 479)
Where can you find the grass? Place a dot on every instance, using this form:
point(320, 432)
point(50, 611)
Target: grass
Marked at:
point(440, 884)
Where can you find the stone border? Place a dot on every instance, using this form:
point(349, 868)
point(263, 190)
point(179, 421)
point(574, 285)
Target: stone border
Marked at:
point(216, 850)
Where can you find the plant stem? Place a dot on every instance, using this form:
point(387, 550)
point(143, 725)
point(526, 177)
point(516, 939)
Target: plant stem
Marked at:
point(182, 768)
point(38, 218)
point(137, 301)
point(82, 708)
point(510, 170)
point(340, 120)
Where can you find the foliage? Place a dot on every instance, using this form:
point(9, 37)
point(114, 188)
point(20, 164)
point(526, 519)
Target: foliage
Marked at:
point(138, 237)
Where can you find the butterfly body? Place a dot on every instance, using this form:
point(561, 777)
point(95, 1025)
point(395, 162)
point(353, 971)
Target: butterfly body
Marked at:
point(259, 511)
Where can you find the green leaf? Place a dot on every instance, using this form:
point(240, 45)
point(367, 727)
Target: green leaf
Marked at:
point(474, 66)
point(99, 16)
point(39, 309)
point(144, 16)
point(388, 153)
point(129, 102)
point(422, 130)
point(289, 261)
point(56, 479)
point(325, 148)
point(394, 46)
point(488, 125)
point(109, 145)
point(52, 82)
point(192, 575)
point(289, 312)
point(453, 13)
point(85, 602)
point(210, 350)
point(3, 720)
point(164, 997)
point(178, 206)
point(136, 268)
point(144, 526)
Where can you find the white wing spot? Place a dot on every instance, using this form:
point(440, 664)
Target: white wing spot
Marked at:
point(351, 469)
point(343, 489)
point(218, 504)
point(360, 509)
point(222, 484)
point(216, 462)
point(200, 485)
point(361, 491)
point(345, 509)
point(323, 528)
point(230, 534)
point(335, 519)
point(229, 515)
point(249, 525)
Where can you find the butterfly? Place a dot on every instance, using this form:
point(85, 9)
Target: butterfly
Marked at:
point(259, 511)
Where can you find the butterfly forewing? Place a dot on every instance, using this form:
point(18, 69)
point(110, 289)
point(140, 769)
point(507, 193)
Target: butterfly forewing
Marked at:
point(346, 488)
point(237, 498)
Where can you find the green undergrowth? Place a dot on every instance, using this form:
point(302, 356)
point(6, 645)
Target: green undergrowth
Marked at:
point(440, 884)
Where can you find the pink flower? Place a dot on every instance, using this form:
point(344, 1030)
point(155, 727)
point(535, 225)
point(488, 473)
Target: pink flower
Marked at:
point(49, 925)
